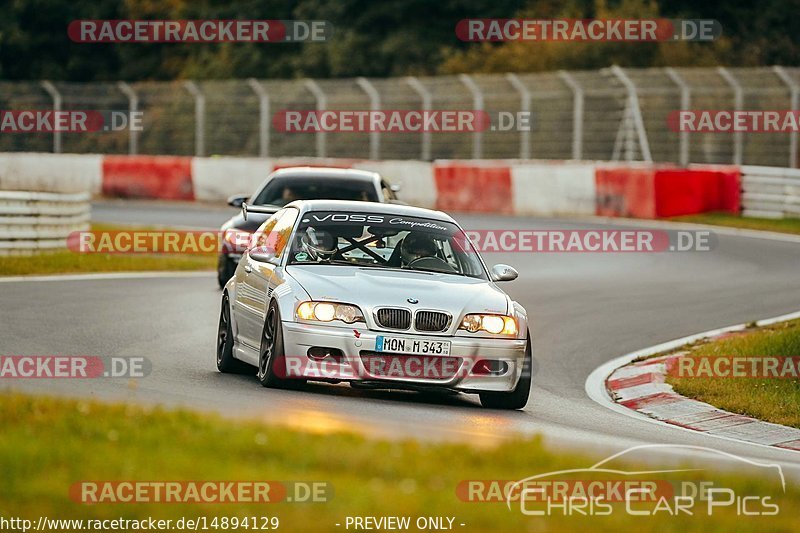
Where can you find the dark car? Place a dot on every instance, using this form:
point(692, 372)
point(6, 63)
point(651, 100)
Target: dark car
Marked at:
point(296, 183)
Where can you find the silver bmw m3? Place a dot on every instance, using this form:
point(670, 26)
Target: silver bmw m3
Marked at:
point(376, 295)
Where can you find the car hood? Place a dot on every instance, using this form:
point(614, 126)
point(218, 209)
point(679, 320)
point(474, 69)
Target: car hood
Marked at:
point(253, 222)
point(376, 287)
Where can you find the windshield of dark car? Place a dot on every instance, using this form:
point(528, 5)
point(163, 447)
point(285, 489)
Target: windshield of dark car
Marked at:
point(384, 241)
point(281, 191)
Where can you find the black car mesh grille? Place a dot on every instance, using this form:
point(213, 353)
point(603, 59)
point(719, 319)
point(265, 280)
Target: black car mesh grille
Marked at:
point(394, 318)
point(431, 321)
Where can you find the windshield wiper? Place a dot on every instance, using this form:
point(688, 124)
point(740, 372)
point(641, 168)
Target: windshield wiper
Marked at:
point(417, 269)
point(355, 264)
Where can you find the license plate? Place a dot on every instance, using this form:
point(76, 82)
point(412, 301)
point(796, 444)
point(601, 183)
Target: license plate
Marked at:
point(411, 346)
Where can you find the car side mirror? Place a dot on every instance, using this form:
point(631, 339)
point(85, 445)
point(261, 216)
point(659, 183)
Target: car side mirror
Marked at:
point(237, 200)
point(502, 272)
point(262, 254)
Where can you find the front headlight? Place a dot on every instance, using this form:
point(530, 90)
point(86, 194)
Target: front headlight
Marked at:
point(328, 312)
point(495, 324)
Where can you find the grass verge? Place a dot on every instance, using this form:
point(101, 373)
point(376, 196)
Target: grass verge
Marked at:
point(68, 262)
point(773, 400)
point(782, 225)
point(47, 445)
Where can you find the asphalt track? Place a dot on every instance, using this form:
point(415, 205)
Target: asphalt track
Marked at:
point(586, 309)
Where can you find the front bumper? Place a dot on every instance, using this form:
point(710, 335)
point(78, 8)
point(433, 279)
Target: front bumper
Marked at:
point(356, 364)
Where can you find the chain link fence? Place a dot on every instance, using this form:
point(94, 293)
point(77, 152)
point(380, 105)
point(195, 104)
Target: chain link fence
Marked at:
point(610, 114)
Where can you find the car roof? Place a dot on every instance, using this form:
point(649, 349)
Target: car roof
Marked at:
point(369, 207)
point(326, 172)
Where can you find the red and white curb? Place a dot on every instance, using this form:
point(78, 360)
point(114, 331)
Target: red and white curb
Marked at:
point(638, 388)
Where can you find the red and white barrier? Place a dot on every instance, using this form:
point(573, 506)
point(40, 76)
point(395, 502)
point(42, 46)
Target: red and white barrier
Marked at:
point(415, 178)
point(482, 187)
point(554, 188)
point(660, 192)
point(510, 187)
point(165, 177)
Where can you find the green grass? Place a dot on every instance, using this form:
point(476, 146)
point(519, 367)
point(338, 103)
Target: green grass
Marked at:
point(69, 262)
point(46, 445)
point(782, 225)
point(773, 400)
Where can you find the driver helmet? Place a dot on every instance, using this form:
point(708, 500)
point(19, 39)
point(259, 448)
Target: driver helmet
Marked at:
point(319, 245)
point(416, 245)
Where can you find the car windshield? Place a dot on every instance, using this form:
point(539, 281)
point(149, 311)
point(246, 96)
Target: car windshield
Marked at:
point(281, 191)
point(384, 241)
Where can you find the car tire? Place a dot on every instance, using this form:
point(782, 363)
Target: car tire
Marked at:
point(226, 362)
point(226, 268)
point(271, 355)
point(518, 398)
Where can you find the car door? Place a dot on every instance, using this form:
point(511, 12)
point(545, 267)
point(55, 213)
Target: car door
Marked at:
point(259, 264)
point(248, 297)
point(279, 241)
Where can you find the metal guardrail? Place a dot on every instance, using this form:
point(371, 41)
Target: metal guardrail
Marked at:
point(770, 192)
point(32, 221)
point(601, 115)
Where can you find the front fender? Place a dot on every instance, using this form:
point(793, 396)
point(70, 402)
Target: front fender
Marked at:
point(521, 315)
point(288, 294)
point(230, 288)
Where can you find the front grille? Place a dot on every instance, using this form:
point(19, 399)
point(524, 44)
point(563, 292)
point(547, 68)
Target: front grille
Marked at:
point(393, 318)
point(431, 321)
